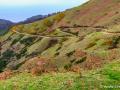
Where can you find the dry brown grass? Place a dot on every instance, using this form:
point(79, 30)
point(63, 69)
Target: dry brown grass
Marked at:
point(80, 53)
point(6, 74)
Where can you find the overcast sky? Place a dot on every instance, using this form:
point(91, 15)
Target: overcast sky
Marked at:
point(17, 10)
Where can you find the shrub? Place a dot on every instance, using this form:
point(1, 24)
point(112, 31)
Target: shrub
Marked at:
point(47, 22)
point(80, 60)
point(8, 54)
point(39, 65)
point(75, 69)
point(22, 53)
point(27, 41)
point(2, 64)
point(70, 53)
point(59, 17)
point(32, 31)
point(93, 61)
point(46, 65)
point(68, 66)
point(115, 41)
point(18, 27)
point(112, 54)
point(37, 71)
point(79, 53)
point(57, 53)
point(6, 74)
point(16, 40)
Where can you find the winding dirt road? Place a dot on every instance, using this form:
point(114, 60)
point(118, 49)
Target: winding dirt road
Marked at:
point(111, 33)
point(26, 34)
point(42, 36)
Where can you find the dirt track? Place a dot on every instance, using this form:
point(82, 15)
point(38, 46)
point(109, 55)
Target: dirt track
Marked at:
point(26, 34)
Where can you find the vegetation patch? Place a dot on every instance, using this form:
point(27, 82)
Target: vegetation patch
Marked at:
point(16, 40)
point(27, 41)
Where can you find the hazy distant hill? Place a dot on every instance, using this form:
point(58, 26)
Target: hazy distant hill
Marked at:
point(4, 25)
point(35, 18)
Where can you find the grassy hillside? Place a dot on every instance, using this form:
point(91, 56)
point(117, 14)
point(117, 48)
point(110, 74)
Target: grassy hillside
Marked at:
point(98, 80)
point(88, 45)
point(95, 13)
point(4, 26)
point(2, 32)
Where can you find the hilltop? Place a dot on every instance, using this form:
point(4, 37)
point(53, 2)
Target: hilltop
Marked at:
point(84, 40)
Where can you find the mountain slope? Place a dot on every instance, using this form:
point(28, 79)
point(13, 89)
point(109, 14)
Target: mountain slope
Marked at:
point(83, 39)
point(4, 25)
point(94, 13)
point(90, 39)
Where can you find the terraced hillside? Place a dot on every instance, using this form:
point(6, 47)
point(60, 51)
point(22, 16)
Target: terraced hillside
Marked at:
point(84, 39)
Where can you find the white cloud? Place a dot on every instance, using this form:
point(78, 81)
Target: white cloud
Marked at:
point(38, 2)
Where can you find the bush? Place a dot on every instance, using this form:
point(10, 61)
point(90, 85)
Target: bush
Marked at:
point(2, 64)
point(22, 53)
point(43, 66)
point(6, 74)
point(16, 40)
point(115, 41)
point(37, 71)
point(70, 53)
point(68, 66)
point(79, 53)
point(93, 61)
point(18, 27)
point(47, 22)
point(81, 60)
point(8, 54)
point(28, 41)
point(59, 17)
point(38, 66)
point(75, 69)
point(32, 31)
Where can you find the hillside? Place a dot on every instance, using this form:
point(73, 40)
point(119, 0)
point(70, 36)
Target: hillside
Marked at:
point(4, 25)
point(94, 14)
point(84, 40)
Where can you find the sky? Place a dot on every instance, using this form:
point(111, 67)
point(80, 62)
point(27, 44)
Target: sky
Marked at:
point(18, 10)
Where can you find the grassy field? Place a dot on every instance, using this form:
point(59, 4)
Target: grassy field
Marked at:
point(107, 78)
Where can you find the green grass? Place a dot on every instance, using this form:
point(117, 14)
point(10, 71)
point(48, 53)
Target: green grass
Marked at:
point(45, 82)
point(100, 79)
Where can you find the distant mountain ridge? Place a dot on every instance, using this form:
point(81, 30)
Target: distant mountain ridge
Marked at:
point(35, 18)
point(4, 25)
